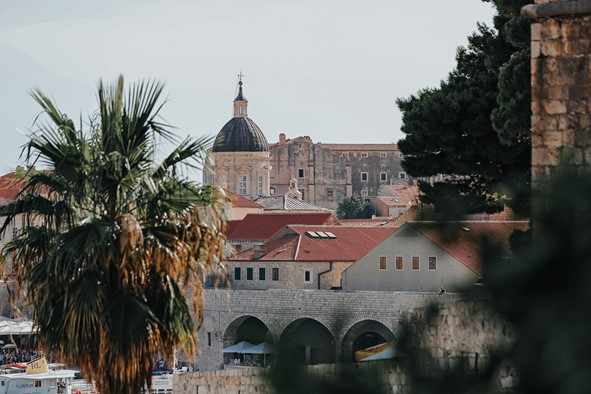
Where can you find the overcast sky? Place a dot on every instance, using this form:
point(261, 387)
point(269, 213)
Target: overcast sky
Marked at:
point(330, 69)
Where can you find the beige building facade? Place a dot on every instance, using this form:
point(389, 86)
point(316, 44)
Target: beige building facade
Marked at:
point(327, 173)
point(240, 155)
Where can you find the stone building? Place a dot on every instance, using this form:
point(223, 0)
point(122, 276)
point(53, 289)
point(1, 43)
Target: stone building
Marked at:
point(240, 155)
point(245, 164)
point(427, 256)
point(327, 173)
point(303, 257)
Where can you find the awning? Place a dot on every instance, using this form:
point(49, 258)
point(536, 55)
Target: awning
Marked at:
point(261, 348)
point(239, 347)
point(16, 327)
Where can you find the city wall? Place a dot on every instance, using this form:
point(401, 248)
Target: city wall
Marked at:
point(460, 335)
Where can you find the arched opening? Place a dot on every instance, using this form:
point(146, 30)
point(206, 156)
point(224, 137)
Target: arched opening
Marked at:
point(241, 337)
point(364, 334)
point(308, 342)
point(249, 329)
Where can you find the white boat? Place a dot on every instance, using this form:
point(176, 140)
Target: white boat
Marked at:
point(37, 379)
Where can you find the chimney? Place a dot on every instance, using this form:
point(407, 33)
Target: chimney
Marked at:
point(282, 138)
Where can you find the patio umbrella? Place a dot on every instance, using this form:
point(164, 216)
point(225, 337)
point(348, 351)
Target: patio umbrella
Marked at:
point(238, 348)
point(262, 348)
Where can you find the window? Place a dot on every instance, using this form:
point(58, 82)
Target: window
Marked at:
point(308, 276)
point(402, 175)
point(383, 154)
point(242, 181)
point(329, 194)
point(275, 273)
point(237, 273)
point(249, 272)
point(345, 154)
point(364, 193)
point(301, 173)
point(432, 263)
point(401, 155)
point(399, 263)
point(261, 273)
point(209, 339)
point(302, 191)
point(364, 176)
point(383, 177)
point(260, 185)
point(272, 191)
point(364, 155)
point(415, 262)
point(38, 383)
point(382, 262)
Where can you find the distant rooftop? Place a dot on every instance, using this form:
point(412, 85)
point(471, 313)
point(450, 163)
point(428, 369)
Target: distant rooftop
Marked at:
point(284, 203)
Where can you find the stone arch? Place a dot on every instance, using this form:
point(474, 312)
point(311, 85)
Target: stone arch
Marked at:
point(364, 334)
point(308, 342)
point(247, 328)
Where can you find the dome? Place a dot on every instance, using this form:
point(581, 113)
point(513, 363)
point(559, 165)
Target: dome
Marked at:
point(240, 134)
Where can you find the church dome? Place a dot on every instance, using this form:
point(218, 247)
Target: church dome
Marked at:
point(240, 134)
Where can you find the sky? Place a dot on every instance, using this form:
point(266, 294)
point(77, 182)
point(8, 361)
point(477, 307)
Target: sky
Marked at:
point(328, 69)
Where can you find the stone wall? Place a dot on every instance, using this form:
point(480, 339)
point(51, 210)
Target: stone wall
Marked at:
point(277, 309)
point(561, 86)
point(253, 380)
point(460, 335)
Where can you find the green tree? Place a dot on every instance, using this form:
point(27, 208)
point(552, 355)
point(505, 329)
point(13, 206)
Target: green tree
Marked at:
point(354, 207)
point(114, 238)
point(474, 128)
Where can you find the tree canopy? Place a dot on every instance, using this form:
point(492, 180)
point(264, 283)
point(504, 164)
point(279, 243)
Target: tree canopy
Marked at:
point(474, 128)
point(354, 207)
point(113, 237)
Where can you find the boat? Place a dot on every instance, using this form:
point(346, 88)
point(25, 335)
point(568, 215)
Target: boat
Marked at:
point(383, 351)
point(37, 379)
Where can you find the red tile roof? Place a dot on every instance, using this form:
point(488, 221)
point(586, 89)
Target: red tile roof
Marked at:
point(463, 240)
point(380, 221)
point(241, 202)
point(398, 195)
point(261, 226)
point(295, 244)
point(350, 244)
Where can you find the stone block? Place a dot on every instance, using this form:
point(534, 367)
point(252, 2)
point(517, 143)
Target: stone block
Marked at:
point(536, 32)
point(569, 30)
point(545, 157)
point(536, 49)
point(554, 107)
point(576, 47)
point(552, 139)
point(551, 48)
point(550, 30)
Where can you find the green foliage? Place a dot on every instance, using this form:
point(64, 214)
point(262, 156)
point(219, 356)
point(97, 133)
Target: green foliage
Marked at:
point(113, 237)
point(473, 127)
point(354, 207)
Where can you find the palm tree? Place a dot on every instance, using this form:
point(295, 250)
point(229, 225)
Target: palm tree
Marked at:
point(114, 240)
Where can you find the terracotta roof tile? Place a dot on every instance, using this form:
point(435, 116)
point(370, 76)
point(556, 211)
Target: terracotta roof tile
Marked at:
point(261, 226)
point(463, 240)
point(349, 244)
point(241, 202)
point(374, 222)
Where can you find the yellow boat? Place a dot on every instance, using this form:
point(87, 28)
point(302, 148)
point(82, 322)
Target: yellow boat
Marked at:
point(383, 351)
